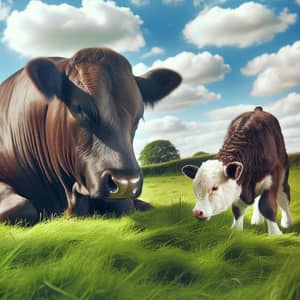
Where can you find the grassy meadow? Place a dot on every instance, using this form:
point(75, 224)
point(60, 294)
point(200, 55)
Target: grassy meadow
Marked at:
point(161, 254)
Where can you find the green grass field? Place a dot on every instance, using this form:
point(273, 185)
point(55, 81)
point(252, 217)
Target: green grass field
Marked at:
point(161, 254)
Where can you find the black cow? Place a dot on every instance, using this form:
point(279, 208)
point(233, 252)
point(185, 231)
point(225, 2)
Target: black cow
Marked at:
point(66, 133)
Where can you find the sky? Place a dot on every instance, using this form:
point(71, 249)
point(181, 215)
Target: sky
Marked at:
point(232, 55)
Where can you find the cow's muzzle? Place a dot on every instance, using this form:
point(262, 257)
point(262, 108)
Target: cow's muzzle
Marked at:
point(119, 186)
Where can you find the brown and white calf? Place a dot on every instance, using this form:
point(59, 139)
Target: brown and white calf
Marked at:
point(252, 163)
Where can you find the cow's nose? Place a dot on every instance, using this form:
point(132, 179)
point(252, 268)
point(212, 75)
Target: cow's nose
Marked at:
point(121, 186)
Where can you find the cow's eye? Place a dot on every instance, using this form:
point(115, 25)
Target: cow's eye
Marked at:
point(214, 188)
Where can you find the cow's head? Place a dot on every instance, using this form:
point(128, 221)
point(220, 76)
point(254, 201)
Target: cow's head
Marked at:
point(106, 102)
point(215, 186)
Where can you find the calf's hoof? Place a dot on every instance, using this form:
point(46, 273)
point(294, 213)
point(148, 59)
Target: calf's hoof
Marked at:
point(257, 220)
point(286, 222)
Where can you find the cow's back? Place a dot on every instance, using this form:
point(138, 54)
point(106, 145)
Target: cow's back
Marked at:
point(255, 139)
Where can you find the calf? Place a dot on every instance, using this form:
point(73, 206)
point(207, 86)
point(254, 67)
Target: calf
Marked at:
point(252, 162)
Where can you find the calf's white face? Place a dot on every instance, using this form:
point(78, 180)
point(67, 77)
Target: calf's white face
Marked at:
point(215, 186)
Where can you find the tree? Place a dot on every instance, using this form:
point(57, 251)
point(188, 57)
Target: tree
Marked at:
point(157, 152)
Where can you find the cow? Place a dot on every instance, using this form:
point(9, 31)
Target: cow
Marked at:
point(66, 135)
point(251, 163)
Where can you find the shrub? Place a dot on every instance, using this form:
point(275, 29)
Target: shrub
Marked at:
point(174, 167)
point(200, 153)
point(157, 152)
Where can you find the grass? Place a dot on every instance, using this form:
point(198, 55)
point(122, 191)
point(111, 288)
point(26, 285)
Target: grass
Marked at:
point(161, 254)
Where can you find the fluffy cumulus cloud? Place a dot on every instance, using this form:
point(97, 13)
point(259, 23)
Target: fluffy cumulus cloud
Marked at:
point(276, 72)
point(185, 96)
point(243, 26)
point(63, 29)
point(190, 136)
point(5, 7)
point(153, 52)
point(196, 70)
point(281, 107)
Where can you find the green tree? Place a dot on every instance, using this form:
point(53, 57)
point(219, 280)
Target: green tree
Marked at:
point(157, 152)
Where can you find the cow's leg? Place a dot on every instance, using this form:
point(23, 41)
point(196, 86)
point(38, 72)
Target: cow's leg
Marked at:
point(15, 208)
point(239, 209)
point(268, 208)
point(257, 217)
point(284, 203)
point(117, 207)
point(142, 205)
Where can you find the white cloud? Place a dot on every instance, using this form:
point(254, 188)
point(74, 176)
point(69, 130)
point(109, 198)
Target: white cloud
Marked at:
point(5, 7)
point(153, 52)
point(190, 136)
point(171, 124)
point(287, 105)
point(173, 1)
point(139, 2)
point(185, 96)
point(197, 2)
point(228, 112)
point(63, 29)
point(289, 122)
point(298, 2)
point(208, 3)
point(139, 69)
point(276, 72)
point(248, 24)
point(196, 70)
point(281, 107)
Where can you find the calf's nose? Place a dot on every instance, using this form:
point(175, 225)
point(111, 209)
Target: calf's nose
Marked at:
point(198, 213)
point(121, 186)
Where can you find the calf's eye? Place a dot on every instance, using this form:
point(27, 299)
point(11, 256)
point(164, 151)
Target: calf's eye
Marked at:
point(214, 188)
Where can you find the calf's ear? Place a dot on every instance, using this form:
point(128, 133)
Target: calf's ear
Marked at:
point(45, 76)
point(189, 171)
point(156, 84)
point(234, 170)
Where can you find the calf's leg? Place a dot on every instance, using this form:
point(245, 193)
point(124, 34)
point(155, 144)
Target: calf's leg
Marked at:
point(257, 217)
point(284, 203)
point(15, 208)
point(239, 209)
point(268, 208)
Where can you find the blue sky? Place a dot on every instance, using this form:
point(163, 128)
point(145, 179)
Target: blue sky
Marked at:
point(233, 55)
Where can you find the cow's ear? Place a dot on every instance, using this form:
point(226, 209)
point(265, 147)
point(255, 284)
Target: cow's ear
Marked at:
point(190, 171)
point(156, 84)
point(45, 76)
point(51, 82)
point(234, 170)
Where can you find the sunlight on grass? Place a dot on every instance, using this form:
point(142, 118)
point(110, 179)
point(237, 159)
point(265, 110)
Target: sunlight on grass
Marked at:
point(161, 254)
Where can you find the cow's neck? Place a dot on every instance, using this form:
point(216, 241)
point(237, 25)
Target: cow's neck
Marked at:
point(60, 143)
